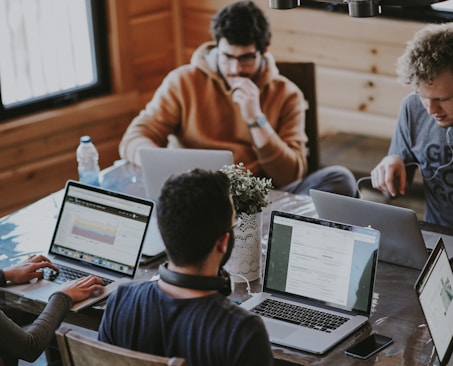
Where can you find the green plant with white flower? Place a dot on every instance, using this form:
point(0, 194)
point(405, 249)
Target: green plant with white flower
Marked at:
point(250, 193)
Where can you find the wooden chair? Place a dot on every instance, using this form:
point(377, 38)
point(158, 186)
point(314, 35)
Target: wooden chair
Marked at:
point(303, 75)
point(77, 349)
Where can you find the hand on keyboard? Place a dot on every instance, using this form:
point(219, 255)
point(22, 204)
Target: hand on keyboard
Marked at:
point(30, 269)
point(83, 288)
point(49, 274)
point(66, 274)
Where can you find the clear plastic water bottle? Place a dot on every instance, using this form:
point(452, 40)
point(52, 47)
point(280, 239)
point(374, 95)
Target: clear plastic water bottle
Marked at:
point(88, 161)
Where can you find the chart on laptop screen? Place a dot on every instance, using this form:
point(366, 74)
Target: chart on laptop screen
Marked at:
point(94, 231)
point(105, 230)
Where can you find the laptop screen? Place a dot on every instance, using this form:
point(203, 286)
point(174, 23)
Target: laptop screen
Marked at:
point(159, 163)
point(101, 228)
point(322, 261)
point(435, 294)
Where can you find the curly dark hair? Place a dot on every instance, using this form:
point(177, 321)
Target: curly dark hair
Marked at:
point(427, 55)
point(194, 209)
point(242, 24)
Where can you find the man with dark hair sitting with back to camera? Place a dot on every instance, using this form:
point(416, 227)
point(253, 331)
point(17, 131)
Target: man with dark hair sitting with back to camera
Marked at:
point(186, 312)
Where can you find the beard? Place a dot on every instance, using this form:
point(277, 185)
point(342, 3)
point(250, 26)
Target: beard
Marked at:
point(229, 248)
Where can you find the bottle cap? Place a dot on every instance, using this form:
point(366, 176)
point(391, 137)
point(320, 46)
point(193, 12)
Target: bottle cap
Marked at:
point(85, 139)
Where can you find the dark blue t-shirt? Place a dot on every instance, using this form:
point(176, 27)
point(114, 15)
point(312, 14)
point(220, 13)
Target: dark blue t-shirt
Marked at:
point(209, 330)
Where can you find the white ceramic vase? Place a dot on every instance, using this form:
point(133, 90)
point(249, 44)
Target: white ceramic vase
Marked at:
point(245, 260)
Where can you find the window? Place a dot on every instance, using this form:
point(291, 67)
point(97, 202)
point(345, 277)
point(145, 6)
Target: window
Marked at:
point(54, 52)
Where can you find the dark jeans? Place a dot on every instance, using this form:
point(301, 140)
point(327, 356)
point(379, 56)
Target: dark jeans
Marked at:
point(335, 179)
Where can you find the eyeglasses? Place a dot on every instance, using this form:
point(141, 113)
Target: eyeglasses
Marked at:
point(245, 60)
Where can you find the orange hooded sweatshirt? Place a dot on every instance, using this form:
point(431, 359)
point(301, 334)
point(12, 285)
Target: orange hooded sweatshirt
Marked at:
point(194, 104)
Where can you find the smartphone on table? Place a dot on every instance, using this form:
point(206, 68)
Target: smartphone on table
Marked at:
point(368, 346)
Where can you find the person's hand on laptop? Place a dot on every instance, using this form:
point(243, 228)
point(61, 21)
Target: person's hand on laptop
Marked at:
point(83, 288)
point(389, 176)
point(28, 269)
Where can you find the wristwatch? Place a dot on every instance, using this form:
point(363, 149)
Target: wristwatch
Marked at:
point(260, 122)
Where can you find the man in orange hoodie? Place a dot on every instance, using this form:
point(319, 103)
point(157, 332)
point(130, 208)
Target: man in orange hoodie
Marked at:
point(232, 97)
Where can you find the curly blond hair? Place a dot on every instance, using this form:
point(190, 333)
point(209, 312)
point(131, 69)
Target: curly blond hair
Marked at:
point(427, 55)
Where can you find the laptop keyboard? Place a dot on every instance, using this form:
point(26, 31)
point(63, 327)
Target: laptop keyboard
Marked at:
point(299, 315)
point(66, 274)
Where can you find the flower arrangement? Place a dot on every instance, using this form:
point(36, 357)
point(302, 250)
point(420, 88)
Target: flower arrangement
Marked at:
point(249, 192)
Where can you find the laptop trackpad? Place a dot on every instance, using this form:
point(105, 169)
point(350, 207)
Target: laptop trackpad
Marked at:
point(280, 331)
point(41, 290)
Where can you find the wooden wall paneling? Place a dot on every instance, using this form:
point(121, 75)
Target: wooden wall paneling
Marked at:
point(210, 6)
point(354, 54)
point(145, 98)
point(197, 15)
point(22, 129)
point(188, 54)
point(151, 70)
point(31, 182)
point(27, 183)
point(59, 142)
point(367, 45)
point(151, 34)
point(196, 28)
point(120, 51)
point(177, 21)
point(338, 53)
point(338, 25)
point(333, 120)
point(140, 7)
point(376, 94)
point(38, 152)
point(153, 56)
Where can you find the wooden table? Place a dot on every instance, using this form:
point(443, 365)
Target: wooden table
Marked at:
point(395, 313)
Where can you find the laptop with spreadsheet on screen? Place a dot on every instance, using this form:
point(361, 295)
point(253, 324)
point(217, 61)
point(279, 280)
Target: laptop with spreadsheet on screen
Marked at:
point(320, 273)
point(434, 288)
point(97, 232)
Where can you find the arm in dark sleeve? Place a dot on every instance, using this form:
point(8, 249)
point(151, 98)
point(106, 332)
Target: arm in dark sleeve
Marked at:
point(28, 343)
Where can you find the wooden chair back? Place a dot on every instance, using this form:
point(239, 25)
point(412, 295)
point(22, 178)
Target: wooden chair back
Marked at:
point(77, 349)
point(303, 75)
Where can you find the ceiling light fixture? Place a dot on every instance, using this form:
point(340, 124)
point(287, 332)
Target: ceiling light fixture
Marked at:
point(357, 8)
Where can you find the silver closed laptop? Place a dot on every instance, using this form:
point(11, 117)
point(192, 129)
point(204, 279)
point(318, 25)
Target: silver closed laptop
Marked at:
point(402, 241)
point(158, 164)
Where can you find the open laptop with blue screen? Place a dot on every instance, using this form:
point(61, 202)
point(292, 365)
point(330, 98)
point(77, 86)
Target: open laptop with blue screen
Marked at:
point(434, 288)
point(319, 273)
point(97, 232)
